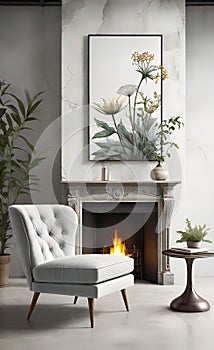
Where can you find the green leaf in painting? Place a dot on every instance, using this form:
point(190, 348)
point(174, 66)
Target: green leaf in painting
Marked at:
point(102, 124)
point(104, 133)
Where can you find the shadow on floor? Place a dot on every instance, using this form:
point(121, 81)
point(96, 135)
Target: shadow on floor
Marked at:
point(44, 317)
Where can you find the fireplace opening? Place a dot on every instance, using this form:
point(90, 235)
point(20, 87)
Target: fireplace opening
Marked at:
point(135, 224)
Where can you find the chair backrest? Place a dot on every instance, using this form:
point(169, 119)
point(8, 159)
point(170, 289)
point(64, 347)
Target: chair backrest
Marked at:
point(43, 232)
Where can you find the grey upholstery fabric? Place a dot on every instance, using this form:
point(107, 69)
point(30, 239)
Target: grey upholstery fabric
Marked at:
point(43, 233)
point(83, 269)
point(97, 290)
point(45, 236)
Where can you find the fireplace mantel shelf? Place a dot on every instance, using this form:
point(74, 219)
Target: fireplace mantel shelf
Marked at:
point(120, 189)
point(123, 182)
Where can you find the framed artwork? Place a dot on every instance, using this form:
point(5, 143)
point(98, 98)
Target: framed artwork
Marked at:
point(125, 96)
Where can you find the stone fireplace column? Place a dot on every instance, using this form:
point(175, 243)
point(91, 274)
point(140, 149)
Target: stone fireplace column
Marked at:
point(166, 209)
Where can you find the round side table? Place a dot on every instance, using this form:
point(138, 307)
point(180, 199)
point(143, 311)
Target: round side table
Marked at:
point(189, 300)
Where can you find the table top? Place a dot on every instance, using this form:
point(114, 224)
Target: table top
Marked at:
point(173, 254)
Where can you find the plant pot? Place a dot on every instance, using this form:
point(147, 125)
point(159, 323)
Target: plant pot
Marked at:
point(192, 244)
point(4, 270)
point(159, 173)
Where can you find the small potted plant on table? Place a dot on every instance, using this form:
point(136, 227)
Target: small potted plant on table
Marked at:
point(193, 235)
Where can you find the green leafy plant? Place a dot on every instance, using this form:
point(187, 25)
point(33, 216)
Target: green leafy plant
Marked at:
point(17, 157)
point(193, 234)
point(163, 142)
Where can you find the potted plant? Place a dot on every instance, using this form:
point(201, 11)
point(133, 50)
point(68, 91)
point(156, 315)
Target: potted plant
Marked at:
point(16, 153)
point(193, 235)
point(163, 145)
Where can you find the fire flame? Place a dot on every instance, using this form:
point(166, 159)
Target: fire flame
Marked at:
point(119, 248)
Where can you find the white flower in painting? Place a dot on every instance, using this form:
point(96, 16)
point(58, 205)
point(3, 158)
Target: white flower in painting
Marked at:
point(110, 107)
point(127, 90)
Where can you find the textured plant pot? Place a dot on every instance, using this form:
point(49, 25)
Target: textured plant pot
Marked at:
point(4, 270)
point(192, 244)
point(159, 173)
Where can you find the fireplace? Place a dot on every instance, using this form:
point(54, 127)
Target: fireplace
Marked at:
point(134, 222)
point(140, 211)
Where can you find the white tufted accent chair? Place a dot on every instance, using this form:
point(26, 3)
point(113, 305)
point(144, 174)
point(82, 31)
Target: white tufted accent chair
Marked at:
point(45, 236)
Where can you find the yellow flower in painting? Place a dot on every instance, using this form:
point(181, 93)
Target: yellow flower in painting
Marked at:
point(163, 74)
point(111, 106)
point(149, 71)
point(142, 57)
point(156, 78)
point(142, 61)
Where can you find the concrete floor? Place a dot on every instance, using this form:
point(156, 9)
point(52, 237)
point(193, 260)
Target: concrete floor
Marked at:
point(58, 324)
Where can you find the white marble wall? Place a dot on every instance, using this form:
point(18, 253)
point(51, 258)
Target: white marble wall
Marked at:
point(199, 192)
point(80, 18)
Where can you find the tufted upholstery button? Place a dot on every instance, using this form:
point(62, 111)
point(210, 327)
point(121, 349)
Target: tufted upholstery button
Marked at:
point(62, 244)
point(51, 249)
point(50, 233)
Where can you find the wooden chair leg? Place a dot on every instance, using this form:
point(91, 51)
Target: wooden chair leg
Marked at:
point(91, 311)
point(125, 299)
point(75, 299)
point(33, 304)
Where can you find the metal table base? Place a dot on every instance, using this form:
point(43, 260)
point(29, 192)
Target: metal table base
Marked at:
point(189, 300)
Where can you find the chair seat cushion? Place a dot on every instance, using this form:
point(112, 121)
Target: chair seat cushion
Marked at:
point(83, 269)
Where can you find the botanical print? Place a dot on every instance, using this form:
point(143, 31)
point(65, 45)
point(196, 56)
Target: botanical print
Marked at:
point(128, 124)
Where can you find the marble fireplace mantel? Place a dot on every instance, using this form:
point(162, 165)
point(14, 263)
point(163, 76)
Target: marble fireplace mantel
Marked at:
point(160, 192)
